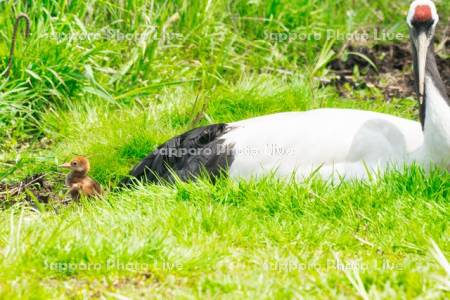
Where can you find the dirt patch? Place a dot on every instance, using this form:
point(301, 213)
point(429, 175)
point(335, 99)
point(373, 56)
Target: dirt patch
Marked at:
point(385, 67)
point(33, 189)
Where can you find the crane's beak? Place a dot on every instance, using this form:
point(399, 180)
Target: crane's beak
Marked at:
point(422, 43)
point(65, 166)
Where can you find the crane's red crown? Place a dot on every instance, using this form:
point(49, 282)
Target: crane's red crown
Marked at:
point(423, 13)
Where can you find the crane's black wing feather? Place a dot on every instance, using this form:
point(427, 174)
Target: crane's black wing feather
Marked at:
point(186, 156)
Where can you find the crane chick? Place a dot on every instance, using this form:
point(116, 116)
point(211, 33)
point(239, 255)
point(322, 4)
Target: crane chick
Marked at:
point(78, 182)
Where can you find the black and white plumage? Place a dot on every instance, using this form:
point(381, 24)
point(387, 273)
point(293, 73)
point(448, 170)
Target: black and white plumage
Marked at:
point(329, 142)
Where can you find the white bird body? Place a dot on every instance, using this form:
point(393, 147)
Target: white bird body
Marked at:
point(339, 143)
point(437, 127)
point(329, 142)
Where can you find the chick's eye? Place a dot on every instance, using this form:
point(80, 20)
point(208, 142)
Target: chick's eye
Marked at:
point(74, 163)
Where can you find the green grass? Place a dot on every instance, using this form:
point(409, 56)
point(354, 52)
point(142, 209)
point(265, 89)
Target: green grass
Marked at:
point(116, 100)
point(254, 240)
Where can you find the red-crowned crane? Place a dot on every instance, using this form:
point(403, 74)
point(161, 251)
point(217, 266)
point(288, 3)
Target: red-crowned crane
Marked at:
point(333, 143)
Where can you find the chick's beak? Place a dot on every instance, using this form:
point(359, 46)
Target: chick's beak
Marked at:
point(65, 165)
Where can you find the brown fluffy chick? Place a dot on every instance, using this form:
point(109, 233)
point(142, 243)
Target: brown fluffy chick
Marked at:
point(78, 182)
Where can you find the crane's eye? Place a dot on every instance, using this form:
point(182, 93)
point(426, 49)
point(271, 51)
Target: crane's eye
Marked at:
point(74, 163)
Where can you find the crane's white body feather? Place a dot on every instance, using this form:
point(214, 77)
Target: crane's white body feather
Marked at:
point(331, 142)
point(339, 143)
point(437, 127)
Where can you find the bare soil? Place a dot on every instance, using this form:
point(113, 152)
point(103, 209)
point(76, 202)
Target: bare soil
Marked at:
point(35, 188)
point(386, 67)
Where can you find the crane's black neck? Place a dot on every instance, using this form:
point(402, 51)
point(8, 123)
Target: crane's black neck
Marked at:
point(432, 72)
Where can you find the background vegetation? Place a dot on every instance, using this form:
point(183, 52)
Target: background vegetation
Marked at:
point(113, 79)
